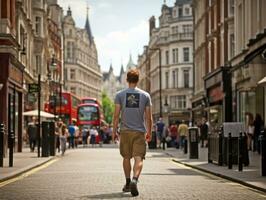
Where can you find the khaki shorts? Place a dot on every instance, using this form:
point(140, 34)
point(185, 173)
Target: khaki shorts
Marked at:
point(132, 144)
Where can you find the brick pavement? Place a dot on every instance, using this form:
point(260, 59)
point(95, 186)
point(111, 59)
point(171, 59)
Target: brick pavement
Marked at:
point(96, 173)
point(22, 162)
point(250, 176)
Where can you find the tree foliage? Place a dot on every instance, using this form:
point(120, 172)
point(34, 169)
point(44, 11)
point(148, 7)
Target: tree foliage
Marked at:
point(108, 108)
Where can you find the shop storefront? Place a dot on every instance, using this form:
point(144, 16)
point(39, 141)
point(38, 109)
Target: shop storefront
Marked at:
point(219, 97)
point(11, 95)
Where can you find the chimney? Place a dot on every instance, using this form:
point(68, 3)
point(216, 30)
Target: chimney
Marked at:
point(152, 24)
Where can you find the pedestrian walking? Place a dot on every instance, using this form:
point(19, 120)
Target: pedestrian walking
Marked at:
point(71, 131)
point(183, 132)
point(134, 105)
point(58, 132)
point(159, 132)
point(258, 127)
point(32, 134)
point(174, 136)
point(249, 129)
point(63, 139)
point(93, 134)
point(204, 129)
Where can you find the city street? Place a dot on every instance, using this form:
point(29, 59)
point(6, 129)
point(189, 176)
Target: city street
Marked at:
point(96, 173)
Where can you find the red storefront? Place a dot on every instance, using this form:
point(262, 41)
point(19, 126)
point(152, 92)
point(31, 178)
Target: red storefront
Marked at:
point(11, 94)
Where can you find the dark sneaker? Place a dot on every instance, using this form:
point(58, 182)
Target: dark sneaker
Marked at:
point(126, 188)
point(133, 188)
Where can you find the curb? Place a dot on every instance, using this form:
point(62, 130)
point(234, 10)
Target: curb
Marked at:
point(26, 170)
point(221, 175)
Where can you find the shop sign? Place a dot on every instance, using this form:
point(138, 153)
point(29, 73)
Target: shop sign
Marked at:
point(33, 88)
point(15, 74)
point(216, 94)
point(31, 98)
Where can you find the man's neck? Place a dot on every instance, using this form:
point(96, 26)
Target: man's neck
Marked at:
point(132, 85)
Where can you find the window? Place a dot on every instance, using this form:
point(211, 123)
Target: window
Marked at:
point(232, 45)
point(178, 102)
point(187, 28)
point(175, 55)
point(167, 57)
point(70, 32)
point(180, 12)
point(166, 79)
point(73, 90)
point(181, 102)
point(187, 11)
point(70, 50)
point(175, 78)
point(186, 54)
point(231, 7)
point(38, 25)
point(72, 74)
point(65, 75)
point(186, 78)
point(38, 63)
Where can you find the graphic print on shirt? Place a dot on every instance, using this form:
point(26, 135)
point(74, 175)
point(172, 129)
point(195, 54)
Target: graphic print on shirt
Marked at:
point(132, 100)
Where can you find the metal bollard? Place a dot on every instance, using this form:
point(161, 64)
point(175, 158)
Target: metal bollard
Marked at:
point(230, 156)
point(220, 158)
point(2, 132)
point(240, 152)
point(11, 148)
point(185, 146)
point(209, 148)
point(263, 154)
point(163, 143)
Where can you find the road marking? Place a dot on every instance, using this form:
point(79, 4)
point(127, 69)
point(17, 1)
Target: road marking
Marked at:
point(28, 173)
point(228, 182)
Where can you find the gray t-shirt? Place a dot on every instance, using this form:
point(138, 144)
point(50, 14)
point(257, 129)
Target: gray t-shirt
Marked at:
point(133, 102)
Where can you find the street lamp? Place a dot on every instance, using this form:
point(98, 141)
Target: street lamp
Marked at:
point(52, 68)
point(160, 77)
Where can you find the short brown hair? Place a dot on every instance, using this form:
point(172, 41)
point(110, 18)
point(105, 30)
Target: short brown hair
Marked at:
point(133, 76)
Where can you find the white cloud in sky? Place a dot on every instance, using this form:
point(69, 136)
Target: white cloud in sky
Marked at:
point(117, 45)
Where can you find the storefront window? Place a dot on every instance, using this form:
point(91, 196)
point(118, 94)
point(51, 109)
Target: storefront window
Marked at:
point(215, 117)
point(247, 102)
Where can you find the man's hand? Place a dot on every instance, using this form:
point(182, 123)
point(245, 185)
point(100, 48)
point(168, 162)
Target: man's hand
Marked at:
point(114, 133)
point(148, 136)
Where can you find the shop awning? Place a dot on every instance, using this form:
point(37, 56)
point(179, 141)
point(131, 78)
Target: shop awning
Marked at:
point(34, 113)
point(262, 81)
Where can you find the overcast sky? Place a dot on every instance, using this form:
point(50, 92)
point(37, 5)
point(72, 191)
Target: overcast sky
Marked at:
point(120, 27)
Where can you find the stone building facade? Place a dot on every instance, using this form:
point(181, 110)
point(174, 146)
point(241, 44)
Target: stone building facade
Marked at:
point(167, 64)
point(25, 53)
point(249, 62)
point(82, 75)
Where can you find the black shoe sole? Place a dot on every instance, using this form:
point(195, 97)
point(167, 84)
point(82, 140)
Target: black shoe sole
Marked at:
point(134, 189)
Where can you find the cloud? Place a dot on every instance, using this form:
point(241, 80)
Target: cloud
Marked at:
point(104, 5)
point(117, 45)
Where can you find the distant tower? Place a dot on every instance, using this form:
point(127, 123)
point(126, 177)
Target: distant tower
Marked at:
point(130, 64)
point(88, 27)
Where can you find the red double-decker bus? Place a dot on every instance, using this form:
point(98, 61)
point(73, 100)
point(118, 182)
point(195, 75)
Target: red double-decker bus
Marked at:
point(67, 109)
point(91, 100)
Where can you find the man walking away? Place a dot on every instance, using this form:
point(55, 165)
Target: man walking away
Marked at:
point(32, 132)
point(183, 132)
point(134, 105)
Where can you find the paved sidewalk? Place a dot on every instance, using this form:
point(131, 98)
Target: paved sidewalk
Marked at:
point(250, 176)
point(23, 162)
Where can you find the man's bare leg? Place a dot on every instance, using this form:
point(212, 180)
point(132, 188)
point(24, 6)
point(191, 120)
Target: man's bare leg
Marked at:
point(127, 167)
point(138, 164)
point(127, 171)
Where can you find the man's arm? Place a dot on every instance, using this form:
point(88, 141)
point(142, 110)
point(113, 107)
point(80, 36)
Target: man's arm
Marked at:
point(116, 120)
point(148, 120)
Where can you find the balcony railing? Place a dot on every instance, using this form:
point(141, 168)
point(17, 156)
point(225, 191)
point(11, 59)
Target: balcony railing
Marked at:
point(175, 37)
